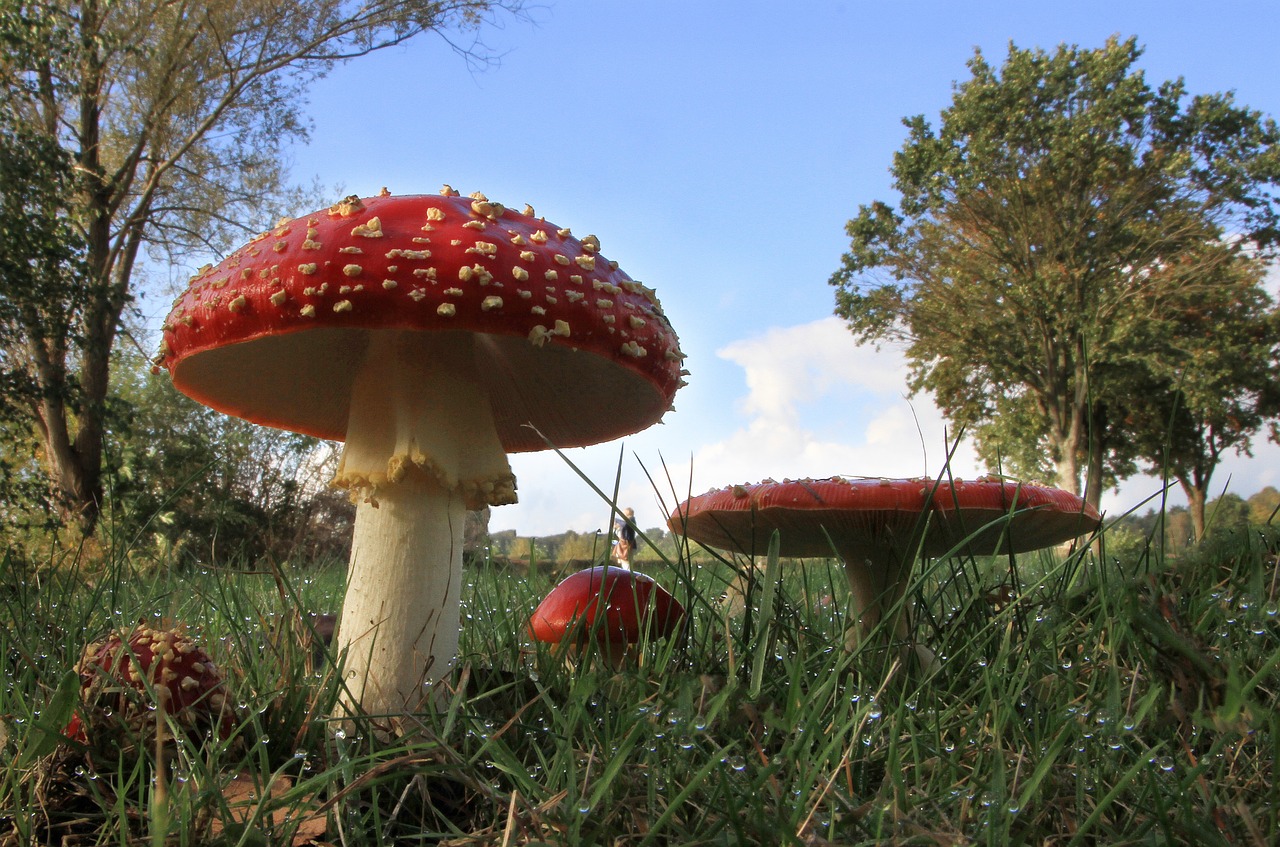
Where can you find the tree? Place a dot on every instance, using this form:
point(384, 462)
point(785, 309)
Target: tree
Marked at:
point(1264, 506)
point(1061, 213)
point(40, 262)
point(1214, 382)
point(1230, 514)
point(175, 117)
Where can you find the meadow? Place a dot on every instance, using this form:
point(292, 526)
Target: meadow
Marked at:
point(1113, 694)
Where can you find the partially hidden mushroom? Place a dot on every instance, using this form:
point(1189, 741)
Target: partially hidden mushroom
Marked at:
point(878, 527)
point(126, 677)
point(434, 335)
point(611, 606)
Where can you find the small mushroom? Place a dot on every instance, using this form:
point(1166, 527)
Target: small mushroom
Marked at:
point(878, 526)
point(614, 607)
point(431, 376)
point(123, 678)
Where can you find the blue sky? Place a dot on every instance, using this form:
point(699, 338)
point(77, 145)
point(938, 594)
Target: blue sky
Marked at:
point(717, 149)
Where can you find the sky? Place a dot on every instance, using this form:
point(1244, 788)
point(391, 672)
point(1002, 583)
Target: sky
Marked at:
point(717, 149)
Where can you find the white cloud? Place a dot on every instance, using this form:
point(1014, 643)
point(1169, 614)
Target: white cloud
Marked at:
point(819, 404)
point(790, 367)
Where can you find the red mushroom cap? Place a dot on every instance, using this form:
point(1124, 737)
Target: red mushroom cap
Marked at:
point(119, 673)
point(275, 333)
point(633, 605)
point(863, 514)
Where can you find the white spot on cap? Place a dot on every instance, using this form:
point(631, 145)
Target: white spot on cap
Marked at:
point(371, 228)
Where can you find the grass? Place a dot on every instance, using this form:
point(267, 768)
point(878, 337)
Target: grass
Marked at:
point(1107, 701)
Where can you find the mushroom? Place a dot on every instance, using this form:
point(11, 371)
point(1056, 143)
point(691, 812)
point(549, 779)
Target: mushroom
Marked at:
point(123, 677)
point(635, 607)
point(434, 335)
point(878, 526)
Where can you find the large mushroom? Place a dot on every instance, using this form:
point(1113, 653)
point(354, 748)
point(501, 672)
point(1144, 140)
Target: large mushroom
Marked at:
point(434, 335)
point(877, 527)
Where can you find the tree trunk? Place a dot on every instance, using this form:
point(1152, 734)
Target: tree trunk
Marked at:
point(77, 488)
point(1095, 454)
point(1064, 441)
point(1196, 498)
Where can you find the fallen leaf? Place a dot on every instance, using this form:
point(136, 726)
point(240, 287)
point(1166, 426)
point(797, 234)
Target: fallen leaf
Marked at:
point(270, 812)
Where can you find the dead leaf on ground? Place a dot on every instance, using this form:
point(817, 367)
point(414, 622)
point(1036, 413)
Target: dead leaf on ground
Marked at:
point(242, 796)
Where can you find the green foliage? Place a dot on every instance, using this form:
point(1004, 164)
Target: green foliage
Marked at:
point(195, 485)
point(1054, 236)
point(1227, 518)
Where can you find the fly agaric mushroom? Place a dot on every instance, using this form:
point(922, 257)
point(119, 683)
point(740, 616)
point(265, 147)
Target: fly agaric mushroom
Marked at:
point(434, 335)
point(120, 677)
point(878, 526)
point(635, 607)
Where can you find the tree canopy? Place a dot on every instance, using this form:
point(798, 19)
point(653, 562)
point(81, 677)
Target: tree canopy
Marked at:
point(1063, 217)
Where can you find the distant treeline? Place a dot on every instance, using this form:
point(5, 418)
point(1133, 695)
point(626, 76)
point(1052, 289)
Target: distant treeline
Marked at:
point(1226, 515)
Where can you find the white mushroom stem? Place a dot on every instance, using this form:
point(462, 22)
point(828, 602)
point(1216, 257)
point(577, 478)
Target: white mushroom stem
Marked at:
point(877, 585)
point(878, 581)
point(400, 616)
point(421, 449)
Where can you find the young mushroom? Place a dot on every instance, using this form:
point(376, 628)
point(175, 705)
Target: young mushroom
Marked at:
point(877, 527)
point(123, 678)
point(635, 607)
point(434, 335)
